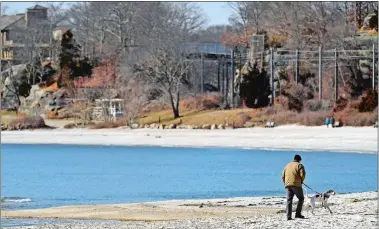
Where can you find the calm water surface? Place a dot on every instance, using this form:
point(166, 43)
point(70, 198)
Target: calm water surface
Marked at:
point(56, 175)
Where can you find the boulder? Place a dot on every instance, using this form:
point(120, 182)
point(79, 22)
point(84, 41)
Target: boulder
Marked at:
point(249, 124)
point(154, 126)
point(161, 126)
point(172, 126)
point(134, 126)
point(189, 127)
point(213, 127)
point(221, 127)
point(206, 127)
point(146, 126)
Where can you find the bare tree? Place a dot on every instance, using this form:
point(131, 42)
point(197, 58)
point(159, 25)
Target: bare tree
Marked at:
point(167, 66)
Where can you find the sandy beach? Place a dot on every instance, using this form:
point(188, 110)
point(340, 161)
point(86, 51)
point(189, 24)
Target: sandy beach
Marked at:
point(357, 210)
point(345, 139)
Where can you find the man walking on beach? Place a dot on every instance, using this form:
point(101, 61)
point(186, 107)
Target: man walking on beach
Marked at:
point(293, 177)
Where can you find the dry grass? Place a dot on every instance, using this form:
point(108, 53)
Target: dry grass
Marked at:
point(199, 117)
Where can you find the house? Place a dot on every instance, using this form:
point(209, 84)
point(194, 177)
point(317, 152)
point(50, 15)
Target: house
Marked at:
point(24, 36)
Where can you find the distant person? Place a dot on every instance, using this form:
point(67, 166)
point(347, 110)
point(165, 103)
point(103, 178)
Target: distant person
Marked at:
point(332, 121)
point(327, 121)
point(293, 177)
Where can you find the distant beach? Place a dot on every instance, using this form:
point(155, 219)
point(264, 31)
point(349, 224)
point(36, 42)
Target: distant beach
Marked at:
point(345, 139)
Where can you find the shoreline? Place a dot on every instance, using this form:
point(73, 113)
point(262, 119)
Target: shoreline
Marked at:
point(297, 138)
point(354, 209)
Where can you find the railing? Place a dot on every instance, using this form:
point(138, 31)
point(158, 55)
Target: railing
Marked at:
point(7, 55)
point(8, 43)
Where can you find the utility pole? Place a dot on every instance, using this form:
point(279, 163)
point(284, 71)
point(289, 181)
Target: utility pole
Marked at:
point(202, 72)
point(227, 81)
point(320, 73)
point(218, 75)
point(222, 75)
point(272, 76)
point(232, 76)
point(297, 66)
point(336, 75)
point(373, 66)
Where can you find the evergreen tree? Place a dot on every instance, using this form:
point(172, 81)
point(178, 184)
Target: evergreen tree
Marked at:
point(255, 88)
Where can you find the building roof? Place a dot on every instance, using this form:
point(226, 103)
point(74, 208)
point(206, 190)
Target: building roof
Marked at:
point(6, 21)
point(37, 7)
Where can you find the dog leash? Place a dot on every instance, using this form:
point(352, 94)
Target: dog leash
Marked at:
point(310, 188)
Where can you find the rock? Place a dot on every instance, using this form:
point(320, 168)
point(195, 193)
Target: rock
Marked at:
point(206, 127)
point(213, 127)
point(161, 126)
point(195, 127)
point(221, 127)
point(146, 126)
point(4, 126)
point(153, 125)
point(172, 126)
point(134, 126)
point(189, 127)
point(249, 124)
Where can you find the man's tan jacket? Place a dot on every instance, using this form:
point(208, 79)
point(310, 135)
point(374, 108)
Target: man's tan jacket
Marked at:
point(293, 174)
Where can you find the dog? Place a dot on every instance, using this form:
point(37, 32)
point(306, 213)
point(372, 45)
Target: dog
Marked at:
point(321, 198)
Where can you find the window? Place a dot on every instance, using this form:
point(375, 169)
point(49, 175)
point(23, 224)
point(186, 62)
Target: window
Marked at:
point(7, 38)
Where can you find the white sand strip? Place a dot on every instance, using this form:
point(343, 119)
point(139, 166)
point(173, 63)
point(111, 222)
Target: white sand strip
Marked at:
point(345, 139)
point(357, 210)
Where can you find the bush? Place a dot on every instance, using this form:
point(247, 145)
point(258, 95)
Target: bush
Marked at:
point(369, 101)
point(340, 104)
point(360, 119)
point(286, 117)
point(313, 105)
point(155, 106)
point(296, 94)
point(23, 123)
point(109, 125)
point(313, 118)
point(207, 102)
point(241, 119)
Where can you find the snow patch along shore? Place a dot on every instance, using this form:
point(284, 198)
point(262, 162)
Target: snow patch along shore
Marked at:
point(345, 139)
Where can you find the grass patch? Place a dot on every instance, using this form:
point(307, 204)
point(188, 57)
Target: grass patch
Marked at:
point(198, 117)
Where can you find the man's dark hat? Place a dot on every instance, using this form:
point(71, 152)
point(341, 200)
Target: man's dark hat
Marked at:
point(297, 158)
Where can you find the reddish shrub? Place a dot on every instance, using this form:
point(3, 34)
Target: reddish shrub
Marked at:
point(369, 101)
point(296, 94)
point(285, 117)
point(241, 119)
point(313, 118)
point(340, 104)
point(207, 102)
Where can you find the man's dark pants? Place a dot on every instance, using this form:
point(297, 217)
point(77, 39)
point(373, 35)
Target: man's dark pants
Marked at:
point(291, 191)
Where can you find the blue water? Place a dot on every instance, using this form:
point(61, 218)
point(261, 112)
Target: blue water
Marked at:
point(57, 175)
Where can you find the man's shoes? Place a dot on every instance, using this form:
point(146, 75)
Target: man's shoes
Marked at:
point(289, 218)
point(299, 216)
